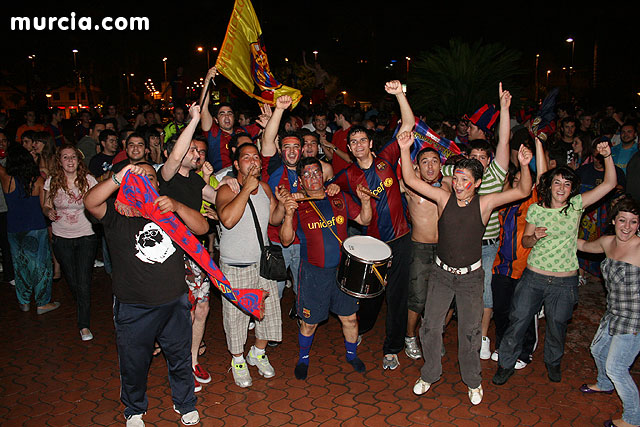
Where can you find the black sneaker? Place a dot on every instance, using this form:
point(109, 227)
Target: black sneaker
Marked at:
point(502, 375)
point(357, 364)
point(554, 374)
point(301, 371)
point(273, 343)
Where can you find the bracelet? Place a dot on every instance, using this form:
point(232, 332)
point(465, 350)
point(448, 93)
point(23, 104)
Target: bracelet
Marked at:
point(604, 157)
point(115, 180)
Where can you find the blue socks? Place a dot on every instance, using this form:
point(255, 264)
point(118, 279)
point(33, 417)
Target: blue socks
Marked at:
point(303, 360)
point(352, 356)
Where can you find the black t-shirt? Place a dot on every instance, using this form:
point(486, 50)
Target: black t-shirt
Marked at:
point(100, 164)
point(148, 267)
point(186, 190)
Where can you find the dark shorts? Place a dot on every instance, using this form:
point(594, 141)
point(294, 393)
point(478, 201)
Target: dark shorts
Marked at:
point(318, 293)
point(423, 256)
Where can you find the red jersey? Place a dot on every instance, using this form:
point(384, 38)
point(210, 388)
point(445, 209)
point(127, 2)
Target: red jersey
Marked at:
point(218, 144)
point(339, 139)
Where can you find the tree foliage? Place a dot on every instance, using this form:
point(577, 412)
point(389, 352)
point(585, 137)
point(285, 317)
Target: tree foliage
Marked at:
point(458, 79)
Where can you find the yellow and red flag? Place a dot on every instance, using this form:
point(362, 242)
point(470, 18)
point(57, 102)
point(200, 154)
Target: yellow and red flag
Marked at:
point(243, 58)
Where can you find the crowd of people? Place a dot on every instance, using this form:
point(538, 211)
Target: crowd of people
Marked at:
point(536, 208)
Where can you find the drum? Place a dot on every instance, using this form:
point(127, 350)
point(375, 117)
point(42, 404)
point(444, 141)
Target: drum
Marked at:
point(363, 267)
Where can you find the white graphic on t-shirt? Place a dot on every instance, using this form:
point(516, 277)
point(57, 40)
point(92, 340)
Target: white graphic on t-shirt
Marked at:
point(153, 244)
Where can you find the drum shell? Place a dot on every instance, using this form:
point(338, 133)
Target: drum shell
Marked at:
point(356, 276)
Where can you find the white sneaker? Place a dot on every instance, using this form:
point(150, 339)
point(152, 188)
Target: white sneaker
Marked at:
point(86, 336)
point(135, 421)
point(421, 387)
point(520, 364)
point(485, 350)
point(252, 325)
point(475, 395)
point(190, 418)
point(411, 348)
point(262, 363)
point(390, 361)
point(494, 355)
point(241, 374)
point(98, 264)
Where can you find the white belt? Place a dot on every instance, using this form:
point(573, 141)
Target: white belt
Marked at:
point(459, 270)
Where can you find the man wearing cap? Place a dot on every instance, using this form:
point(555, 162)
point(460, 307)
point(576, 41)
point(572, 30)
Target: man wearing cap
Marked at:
point(481, 124)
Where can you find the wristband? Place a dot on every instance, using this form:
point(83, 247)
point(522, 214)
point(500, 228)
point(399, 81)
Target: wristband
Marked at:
point(606, 156)
point(115, 180)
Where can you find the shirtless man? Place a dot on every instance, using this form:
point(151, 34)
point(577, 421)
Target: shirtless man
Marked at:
point(424, 238)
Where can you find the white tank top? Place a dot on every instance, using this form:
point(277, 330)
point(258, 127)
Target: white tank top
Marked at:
point(239, 245)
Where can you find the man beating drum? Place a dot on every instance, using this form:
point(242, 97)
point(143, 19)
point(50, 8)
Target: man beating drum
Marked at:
point(320, 222)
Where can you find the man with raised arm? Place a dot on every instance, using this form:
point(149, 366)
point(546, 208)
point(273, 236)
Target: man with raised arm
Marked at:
point(424, 241)
point(462, 219)
point(220, 128)
point(178, 179)
point(389, 223)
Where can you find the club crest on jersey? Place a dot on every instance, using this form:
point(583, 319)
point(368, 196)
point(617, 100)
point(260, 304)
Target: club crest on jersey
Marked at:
point(381, 166)
point(337, 203)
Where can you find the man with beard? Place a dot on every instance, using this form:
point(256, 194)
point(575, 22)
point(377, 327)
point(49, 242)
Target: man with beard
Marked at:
point(178, 179)
point(240, 254)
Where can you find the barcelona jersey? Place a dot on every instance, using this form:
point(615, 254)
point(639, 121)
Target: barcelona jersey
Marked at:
point(218, 153)
point(390, 209)
point(318, 245)
point(275, 173)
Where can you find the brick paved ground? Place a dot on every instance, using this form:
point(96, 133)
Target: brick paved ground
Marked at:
point(48, 377)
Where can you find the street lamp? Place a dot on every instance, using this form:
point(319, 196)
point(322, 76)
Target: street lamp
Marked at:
point(315, 55)
point(408, 60)
point(573, 45)
point(164, 62)
point(548, 72)
point(201, 49)
point(536, 75)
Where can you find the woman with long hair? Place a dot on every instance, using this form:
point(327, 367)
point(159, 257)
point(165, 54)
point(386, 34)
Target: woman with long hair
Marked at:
point(74, 242)
point(27, 230)
point(44, 149)
point(551, 275)
point(617, 341)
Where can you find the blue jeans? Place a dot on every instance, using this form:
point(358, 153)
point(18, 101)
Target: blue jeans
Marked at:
point(559, 295)
point(489, 253)
point(292, 260)
point(76, 260)
point(614, 355)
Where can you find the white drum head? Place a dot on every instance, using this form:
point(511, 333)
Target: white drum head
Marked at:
point(367, 248)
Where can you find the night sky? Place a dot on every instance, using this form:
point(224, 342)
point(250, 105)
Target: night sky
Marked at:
point(342, 31)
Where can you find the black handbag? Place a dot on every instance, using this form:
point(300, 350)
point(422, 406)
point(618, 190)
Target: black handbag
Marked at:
point(272, 264)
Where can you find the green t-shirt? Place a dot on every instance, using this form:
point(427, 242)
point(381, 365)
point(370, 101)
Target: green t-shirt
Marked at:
point(557, 251)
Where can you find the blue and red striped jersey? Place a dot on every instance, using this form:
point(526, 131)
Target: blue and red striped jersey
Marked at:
point(218, 144)
point(318, 245)
point(280, 176)
point(389, 212)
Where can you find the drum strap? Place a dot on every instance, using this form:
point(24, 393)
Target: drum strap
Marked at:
point(315, 208)
point(373, 267)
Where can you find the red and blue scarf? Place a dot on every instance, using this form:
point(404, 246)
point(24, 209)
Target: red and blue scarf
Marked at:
point(136, 197)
